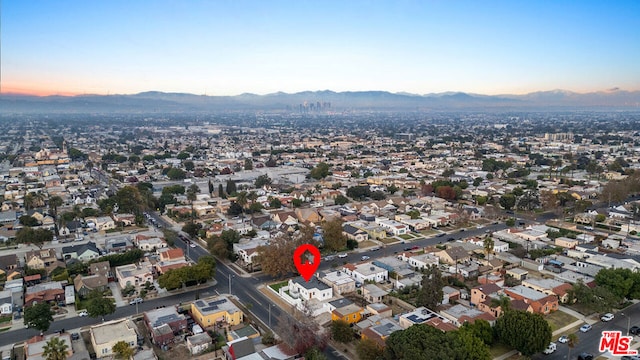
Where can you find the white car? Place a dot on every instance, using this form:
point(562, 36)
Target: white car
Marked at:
point(136, 301)
point(584, 328)
point(342, 255)
point(607, 317)
point(192, 245)
point(550, 349)
point(83, 313)
point(364, 257)
point(563, 339)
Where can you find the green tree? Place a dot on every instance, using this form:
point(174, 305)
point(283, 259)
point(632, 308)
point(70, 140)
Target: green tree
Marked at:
point(480, 329)
point(426, 342)
point(368, 349)
point(122, 350)
point(248, 164)
point(55, 202)
point(192, 229)
point(55, 349)
point(341, 200)
point(189, 165)
point(37, 237)
point(314, 354)
point(526, 332)
point(231, 187)
point(341, 331)
point(38, 316)
point(27, 220)
point(99, 306)
point(507, 201)
point(488, 244)
point(262, 180)
point(176, 174)
point(192, 195)
point(334, 238)
point(320, 171)
point(183, 155)
point(275, 203)
point(618, 281)
point(430, 293)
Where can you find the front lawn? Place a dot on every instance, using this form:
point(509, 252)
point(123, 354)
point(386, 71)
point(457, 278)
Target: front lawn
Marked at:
point(276, 287)
point(558, 320)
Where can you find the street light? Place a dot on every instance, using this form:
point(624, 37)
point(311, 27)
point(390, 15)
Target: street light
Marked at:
point(269, 315)
point(230, 283)
point(628, 322)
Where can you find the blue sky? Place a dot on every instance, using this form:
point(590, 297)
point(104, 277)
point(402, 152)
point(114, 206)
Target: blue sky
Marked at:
point(232, 47)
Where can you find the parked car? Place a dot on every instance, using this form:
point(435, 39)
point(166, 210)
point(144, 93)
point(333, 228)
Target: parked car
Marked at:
point(563, 339)
point(631, 357)
point(364, 257)
point(607, 317)
point(375, 248)
point(584, 328)
point(585, 356)
point(634, 330)
point(415, 247)
point(408, 248)
point(329, 258)
point(75, 336)
point(83, 313)
point(136, 301)
point(342, 256)
point(550, 349)
point(192, 245)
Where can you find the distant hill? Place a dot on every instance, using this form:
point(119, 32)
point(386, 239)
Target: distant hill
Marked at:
point(154, 101)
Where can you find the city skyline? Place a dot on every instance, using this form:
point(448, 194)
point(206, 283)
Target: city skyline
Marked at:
point(229, 48)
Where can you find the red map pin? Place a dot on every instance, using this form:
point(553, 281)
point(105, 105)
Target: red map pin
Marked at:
point(304, 266)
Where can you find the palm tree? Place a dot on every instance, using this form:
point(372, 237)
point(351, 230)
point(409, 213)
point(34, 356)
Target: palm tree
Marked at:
point(488, 244)
point(54, 202)
point(573, 341)
point(55, 349)
point(192, 196)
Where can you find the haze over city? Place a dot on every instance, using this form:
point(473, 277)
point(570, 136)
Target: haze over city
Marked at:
point(229, 48)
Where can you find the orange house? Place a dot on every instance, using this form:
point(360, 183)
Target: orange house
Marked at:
point(351, 314)
point(540, 302)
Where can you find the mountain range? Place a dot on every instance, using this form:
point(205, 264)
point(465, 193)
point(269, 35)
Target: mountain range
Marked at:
point(157, 102)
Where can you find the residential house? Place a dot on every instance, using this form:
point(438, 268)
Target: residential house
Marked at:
point(101, 268)
point(247, 251)
point(198, 343)
point(284, 218)
point(453, 255)
point(483, 298)
point(309, 216)
point(566, 242)
point(102, 223)
point(170, 259)
point(214, 310)
point(8, 264)
point(460, 314)
point(263, 222)
point(339, 281)
point(517, 273)
point(380, 331)
point(34, 347)
point(41, 259)
point(366, 272)
point(124, 219)
point(6, 302)
point(346, 311)
point(419, 261)
point(422, 315)
point(307, 290)
point(374, 231)
point(84, 252)
point(118, 245)
point(149, 243)
point(164, 324)
point(134, 274)
point(105, 335)
point(373, 293)
point(549, 287)
point(393, 227)
point(540, 302)
point(50, 292)
point(83, 285)
point(353, 233)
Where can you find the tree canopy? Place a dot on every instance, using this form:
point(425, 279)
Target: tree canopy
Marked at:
point(320, 171)
point(426, 342)
point(122, 350)
point(526, 332)
point(38, 316)
point(55, 349)
point(430, 293)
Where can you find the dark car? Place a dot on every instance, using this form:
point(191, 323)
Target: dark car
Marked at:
point(451, 239)
point(75, 336)
point(634, 330)
point(585, 356)
point(407, 248)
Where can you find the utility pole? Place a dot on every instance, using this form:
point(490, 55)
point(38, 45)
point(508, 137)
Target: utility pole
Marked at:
point(269, 315)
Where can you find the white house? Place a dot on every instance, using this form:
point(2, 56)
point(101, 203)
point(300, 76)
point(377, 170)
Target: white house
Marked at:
point(394, 227)
point(101, 223)
point(6, 303)
point(312, 289)
point(366, 272)
point(420, 261)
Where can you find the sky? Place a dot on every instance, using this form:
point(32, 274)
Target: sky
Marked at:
point(240, 46)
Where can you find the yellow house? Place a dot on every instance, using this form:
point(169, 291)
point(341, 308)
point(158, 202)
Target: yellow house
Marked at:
point(216, 310)
point(351, 314)
point(107, 334)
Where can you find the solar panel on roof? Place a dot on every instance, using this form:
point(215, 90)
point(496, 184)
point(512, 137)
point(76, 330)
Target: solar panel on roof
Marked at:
point(217, 302)
point(200, 303)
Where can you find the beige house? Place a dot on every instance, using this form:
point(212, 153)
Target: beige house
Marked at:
point(105, 335)
point(134, 274)
point(566, 242)
point(340, 282)
point(40, 259)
